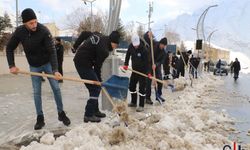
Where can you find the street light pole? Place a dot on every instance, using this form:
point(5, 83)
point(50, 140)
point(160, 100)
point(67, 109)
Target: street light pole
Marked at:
point(200, 25)
point(209, 38)
point(91, 13)
point(150, 10)
point(16, 13)
point(143, 24)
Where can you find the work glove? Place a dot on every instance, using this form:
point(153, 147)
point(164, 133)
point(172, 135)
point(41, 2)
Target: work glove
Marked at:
point(125, 67)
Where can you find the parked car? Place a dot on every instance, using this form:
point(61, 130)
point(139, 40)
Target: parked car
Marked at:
point(223, 70)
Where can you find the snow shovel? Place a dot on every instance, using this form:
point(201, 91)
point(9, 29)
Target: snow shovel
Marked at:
point(116, 86)
point(165, 83)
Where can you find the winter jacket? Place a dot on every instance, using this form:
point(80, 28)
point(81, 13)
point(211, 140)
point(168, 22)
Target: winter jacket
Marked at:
point(195, 62)
point(82, 37)
point(38, 46)
point(174, 62)
point(92, 52)
point(159, 55)
point(236, 66)
point(139, 58)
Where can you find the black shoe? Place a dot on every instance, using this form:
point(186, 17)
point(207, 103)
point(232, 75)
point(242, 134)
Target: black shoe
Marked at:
point(39, 122)
point(62, 117)
point(158, 99)
point(161, 98)
point(100, 114)
point(149, 101)
point(91, 119)
point(132, 105)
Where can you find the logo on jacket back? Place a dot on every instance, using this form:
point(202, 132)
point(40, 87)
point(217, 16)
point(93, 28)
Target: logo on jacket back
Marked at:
point(234, 147)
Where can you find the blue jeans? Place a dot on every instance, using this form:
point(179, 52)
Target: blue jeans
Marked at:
point(37, 83)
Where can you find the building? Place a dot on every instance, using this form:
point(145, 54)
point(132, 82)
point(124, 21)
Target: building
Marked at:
point(54, 30)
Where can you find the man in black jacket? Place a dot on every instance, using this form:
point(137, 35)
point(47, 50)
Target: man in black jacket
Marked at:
point(174, 64)
point(60, 53)
point(183, 62)
point(236, 68)
point(90, 55)
point(159, 57)
point(139, 58)
point(41, 55)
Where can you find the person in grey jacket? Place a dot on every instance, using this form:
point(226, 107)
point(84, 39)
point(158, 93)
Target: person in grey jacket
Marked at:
point(41, 55)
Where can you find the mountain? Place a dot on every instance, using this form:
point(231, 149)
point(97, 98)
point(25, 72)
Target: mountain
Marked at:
point(231, 20)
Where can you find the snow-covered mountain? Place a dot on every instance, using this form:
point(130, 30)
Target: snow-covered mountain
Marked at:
point(230, 18)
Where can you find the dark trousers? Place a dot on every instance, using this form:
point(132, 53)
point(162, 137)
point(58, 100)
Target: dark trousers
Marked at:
point(236, 74)
point(94, 90)
point(180, 70)
point(194, 72)
point(158, 91)
point(60, 67)
point(134, 79)
point(174, 73)
point(166, 69)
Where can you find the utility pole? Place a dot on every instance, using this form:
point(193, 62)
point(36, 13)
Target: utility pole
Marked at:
point(150, 10)
point(17, 13)
point(91, 13)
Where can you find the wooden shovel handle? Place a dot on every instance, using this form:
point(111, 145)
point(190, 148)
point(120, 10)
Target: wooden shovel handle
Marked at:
point(144, 75)
point(71, 79)
point(63, 78)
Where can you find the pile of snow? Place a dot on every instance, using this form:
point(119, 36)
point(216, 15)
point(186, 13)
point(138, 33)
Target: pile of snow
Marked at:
point(184, 122)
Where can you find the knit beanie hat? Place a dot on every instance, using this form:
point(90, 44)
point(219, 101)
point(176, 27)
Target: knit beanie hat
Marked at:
point(164, 41)
point(114, 37)
point(28, 14)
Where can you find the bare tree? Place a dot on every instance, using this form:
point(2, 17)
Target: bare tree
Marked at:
point(140, 31)
point(182, 47)
point(129, 31)
point(80, 20)
point(173, 37)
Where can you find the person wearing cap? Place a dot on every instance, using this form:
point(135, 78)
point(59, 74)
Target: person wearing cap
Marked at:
point(60, 53)
point(41, 55)
point(90, 55)
point(139, 58)
point(159, 57)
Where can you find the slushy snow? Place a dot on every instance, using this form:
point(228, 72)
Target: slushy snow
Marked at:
point(184, 122)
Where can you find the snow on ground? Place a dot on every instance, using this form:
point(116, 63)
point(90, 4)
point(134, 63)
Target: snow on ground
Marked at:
point(184, 122)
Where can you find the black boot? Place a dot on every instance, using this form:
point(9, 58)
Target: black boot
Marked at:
point(149, 101)
point(62, 117)
point(39, 122)
point(142, 101)
point(97, 111)
point(100, 114)
point(133, 100)
point(91, 119)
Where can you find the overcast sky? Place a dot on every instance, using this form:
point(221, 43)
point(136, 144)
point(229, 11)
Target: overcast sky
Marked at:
point(132, 10)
